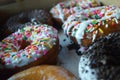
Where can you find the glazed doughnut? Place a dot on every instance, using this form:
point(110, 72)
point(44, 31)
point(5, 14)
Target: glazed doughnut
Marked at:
point(86, 26)
point(64, 9)
point(29, 46)
point(44, 72)
point(101, 60)
point(18, 21)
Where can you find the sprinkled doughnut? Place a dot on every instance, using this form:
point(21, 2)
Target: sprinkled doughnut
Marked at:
point(101, 60)
point(86, 26)
point(64, 9)
point(18, 21)
point(44, 72)
point(29, 46)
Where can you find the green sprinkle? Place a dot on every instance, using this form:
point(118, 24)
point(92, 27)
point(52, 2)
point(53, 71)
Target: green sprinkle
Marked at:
point(86, 30)
point(13, 55)
point(97, 17)
point(94, 22)
point(22, 30)
point(3, 42)
point(24, 38)
point(7, 49)
point(30, 29)
point(84, 18)
point(93, 16)
point(23, 54)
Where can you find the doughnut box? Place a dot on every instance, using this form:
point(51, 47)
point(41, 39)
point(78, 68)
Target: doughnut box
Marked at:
point(59, 39)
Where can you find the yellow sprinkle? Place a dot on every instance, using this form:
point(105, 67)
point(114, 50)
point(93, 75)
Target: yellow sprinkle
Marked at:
point(109, 13)
point(106, 20)
point(45, 44)
point(96, 27)
point(36, 42)
point(34, 33)
point(50, 45)
point(14, 57)
point(101, 31)
point(27, 28)
point(28, 56)
point(45, 39)
point(112, 19)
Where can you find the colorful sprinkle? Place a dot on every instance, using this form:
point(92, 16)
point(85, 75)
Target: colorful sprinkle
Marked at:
point(101, 31)
point(38, 41)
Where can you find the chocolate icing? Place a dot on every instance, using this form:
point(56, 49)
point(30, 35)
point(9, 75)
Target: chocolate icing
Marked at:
point(18, 21)
point(101, 60)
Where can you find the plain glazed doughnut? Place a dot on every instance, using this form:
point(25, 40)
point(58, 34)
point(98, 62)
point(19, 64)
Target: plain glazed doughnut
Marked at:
point(18, 21)
point(44, 72)
point(86, 26)
point(27, 47)
point(62, 10)
point(102, 60)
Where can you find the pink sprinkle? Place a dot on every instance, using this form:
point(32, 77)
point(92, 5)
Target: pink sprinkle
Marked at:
point(91, 25)
point(100, 15)
point(35, 59)
point(18, 55)
point(4, 45)
point(45, 51)
point(28, 34)
point(37, 52)
point(61, 4)
point(83, 49)
point(8, 61)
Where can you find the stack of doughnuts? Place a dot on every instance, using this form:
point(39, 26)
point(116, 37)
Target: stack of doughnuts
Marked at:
point(44, 72)
point(62, 10)
point(86, 26)
point(32, 41)
point(101, 60)
point(30, 46)
point(97, 31)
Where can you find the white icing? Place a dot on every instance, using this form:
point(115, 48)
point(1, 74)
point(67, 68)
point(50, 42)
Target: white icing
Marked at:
point(85, 72)
point(83, 24)
point(23, 57)
point(72, 7)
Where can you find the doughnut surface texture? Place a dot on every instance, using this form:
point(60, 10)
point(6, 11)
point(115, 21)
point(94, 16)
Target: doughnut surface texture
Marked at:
point(101, 60)
point(44, 72)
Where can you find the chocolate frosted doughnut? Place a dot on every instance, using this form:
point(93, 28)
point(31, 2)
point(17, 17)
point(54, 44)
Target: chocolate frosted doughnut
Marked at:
point(101, 60)
point(40, 15)
point(18, 21)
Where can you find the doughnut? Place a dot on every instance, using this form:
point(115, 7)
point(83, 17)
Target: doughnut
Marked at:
point(86, 26)
point(44, 72)
point(101, 60)
point(62, 10)
point(18, 21)
point(27, 47)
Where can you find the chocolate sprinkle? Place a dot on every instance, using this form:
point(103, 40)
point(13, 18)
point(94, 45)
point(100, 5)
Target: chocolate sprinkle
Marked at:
point(103, 57)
